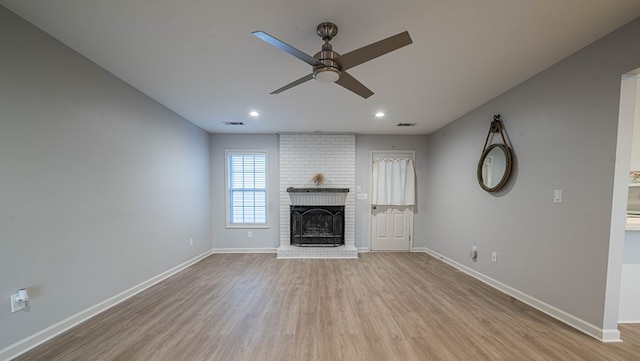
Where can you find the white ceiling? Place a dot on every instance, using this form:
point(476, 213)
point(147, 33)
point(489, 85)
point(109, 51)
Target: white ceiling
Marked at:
point(199, 58)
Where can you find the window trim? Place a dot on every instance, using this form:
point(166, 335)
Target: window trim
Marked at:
point(228, 152)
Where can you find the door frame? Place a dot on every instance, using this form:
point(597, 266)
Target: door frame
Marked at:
point(391, 153)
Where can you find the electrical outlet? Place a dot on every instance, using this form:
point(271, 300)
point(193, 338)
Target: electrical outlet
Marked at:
point(15, 305)
point(249, 234)
point(494, 256)
point(191, 242)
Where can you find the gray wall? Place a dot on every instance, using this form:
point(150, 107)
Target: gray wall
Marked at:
point(100, 186)
point(563, 126)
point(236, 238)
point(364, 145)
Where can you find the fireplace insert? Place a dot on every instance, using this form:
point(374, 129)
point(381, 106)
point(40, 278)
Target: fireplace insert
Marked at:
point(317, 226)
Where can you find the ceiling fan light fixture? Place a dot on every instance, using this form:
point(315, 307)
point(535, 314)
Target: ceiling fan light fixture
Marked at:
point(327, 75)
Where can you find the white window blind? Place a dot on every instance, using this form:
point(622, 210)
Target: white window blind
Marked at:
point(247, 183)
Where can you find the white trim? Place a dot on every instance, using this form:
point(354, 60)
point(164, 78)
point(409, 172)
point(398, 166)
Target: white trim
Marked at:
point(247, 225)
point(609, 335)
point(604, 335)
point(420, 249)
point(627, 322)
point(629, 96)
point(26, 344)
point(244, 250)
point(363, 249)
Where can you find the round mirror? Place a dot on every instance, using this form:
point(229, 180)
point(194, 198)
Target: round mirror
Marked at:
point(494, 167)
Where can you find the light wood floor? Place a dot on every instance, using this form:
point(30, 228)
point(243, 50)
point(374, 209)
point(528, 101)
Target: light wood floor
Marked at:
point(383, 306)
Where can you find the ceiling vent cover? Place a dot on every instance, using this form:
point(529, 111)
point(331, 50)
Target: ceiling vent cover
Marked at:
point(406, 124)
point(234, 123)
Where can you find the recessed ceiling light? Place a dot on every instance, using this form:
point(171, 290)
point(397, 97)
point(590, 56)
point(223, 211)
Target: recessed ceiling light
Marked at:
point(254, 114)
point(379, 114)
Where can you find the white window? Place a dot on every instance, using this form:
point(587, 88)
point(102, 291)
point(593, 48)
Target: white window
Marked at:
point(246, 188)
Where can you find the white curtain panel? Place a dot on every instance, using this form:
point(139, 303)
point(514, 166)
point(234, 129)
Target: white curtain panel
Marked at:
point(394, 182)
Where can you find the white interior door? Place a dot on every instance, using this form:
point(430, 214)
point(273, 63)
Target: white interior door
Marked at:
point(392, 228)
point(391, 225)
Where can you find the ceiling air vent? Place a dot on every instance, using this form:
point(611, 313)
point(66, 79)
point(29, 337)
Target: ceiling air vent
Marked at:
point(234, 123)
point(406, 124)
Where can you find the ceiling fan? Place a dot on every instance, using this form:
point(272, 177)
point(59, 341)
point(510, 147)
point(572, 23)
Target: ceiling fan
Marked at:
point(331, 67)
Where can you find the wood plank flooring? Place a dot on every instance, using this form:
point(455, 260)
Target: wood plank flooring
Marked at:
point(382, 306)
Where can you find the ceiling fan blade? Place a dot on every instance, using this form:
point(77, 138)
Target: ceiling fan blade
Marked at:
point(374, 50)
point(350, 83)
point(292, 84)
point(286, 47)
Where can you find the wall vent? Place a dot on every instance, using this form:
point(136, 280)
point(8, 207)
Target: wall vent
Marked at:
point(234, 123)
point(406, 124)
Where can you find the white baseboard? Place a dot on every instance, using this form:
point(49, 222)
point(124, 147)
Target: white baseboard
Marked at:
point(604, 335)
point(420, 249)
point(245, 250)
point(40, 337)
point(363, 249)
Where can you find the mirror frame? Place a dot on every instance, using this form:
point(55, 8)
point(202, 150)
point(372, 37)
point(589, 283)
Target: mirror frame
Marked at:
point(507, 170)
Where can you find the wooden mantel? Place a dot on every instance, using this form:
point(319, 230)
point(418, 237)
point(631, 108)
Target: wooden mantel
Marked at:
point(317, 190)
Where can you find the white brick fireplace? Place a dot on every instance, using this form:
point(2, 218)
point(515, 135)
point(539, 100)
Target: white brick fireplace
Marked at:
point(301, 157)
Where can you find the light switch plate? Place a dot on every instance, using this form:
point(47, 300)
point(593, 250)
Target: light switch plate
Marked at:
point(557, 196)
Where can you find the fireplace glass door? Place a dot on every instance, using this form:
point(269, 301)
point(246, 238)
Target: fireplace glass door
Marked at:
point(317, 226)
